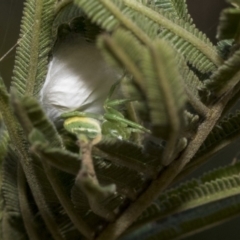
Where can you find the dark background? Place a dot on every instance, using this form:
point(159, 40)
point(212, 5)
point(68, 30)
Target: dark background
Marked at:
point(205, 14)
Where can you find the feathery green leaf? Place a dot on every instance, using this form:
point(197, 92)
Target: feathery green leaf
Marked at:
point(145, 24)
point(226, 77)
point(175, 7)
point(31, 115)
point(213, 198)
point(32, 53)
point(229, 26)
point(165, 93)
point(12, 224)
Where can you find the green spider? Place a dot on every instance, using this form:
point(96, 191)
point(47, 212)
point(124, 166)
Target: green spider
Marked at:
point(112, 123)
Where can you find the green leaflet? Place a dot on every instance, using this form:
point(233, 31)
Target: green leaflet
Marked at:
point(58, 158)
point(54, 178)
point(32, 174)
point(18, 217)
point(221, 136)
point(213, 198)
point(175, 7)
point(11, 224)
point(184, 37)
point(165, 93)
point(45, 196)
point(229, 26)
point(145, 24)
point(10, 121)
point(4, 139)
point(108, 171)
point(183, 225)
point(109, 204)
point(44, 133)
point(226, 77)
point(192, 82)
point(193, 87)
point(155, 70)
point(125, 50)
point(106, 174)
point(32, 53)
point(130, 155)
point(30, 114)
point(235, 3)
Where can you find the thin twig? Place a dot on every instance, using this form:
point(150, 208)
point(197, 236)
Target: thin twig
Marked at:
point(11, 49)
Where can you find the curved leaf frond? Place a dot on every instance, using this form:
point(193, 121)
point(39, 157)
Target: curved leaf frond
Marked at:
point(125, 50)
point(9, 120)
point(221, 136)
point(127, 181)
point(31, 115)
point(155, 71)
point(175, 7)
point(55, 182)
point(4, 139)
point(191, 80)
point(33, 174)
point(229, 25)
point(32, 53)
point(210, 200)
point(226, 77)
point(130, 155)
point(145, 24)
point(165, 93)
point(12, 224)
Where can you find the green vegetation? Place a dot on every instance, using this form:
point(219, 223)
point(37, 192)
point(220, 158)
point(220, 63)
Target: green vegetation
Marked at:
point(55, 185)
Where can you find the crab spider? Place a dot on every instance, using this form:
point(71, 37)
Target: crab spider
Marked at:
point(112, 123)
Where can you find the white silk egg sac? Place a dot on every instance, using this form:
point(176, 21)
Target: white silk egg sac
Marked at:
point(78, 78)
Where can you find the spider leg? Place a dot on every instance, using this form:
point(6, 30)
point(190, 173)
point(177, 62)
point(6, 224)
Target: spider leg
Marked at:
point(117, 102)
point(81, 114)
point(120, 119)
point(112, 89)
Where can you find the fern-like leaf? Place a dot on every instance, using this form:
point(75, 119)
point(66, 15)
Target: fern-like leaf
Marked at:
point(32, 53)
point(130, 155)
point(175, 7)
point(155, 71)
point(213, 198)
point(221, 136)
point(12, 224)
point(165, 94)
point(145, 24)
point(229, 26)
point(4, 139)
point(31, 115)
point(226, 77)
